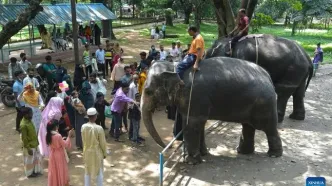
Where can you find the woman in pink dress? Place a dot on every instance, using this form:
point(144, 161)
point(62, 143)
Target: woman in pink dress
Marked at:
point(58, 158)
point(53, 110)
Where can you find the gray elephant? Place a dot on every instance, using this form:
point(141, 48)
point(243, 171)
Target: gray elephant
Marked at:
point(286, 61)
point(224, 89)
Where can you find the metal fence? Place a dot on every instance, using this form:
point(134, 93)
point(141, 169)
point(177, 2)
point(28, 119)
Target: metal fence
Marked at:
point(162, 164)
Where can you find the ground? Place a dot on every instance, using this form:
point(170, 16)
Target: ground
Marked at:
point(306, 147)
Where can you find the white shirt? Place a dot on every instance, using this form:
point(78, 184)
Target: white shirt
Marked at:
point(133, 90)
point(163, 55)
point(25, 65)
point(102, 85)
point(174, 52)
point(61, 95)
point(33, 81)
point(118, 72)
point(94, 65)
point(97, 87)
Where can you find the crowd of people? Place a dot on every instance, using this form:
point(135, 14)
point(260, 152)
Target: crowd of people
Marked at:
point(46, 122)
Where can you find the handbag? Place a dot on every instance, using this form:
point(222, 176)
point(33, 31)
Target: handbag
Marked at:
point(108, 112)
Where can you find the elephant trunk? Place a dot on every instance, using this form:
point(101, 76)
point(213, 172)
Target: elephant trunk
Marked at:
point(147, 110)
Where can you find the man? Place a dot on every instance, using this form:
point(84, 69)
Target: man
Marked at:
point(100, 56)
point(60, 71)
point(163, 53)
point(153, 52)
point(143, 62)
point(178, 46)
point(119, 102)
point(109, 56)
point(18, 89)
point(163, 29)
point(13, 67)
point(94, 149)
point(133, 90)
point(127, 78)
point(50, 70)
point(174, 52)
point(25, 64)
point(31, 79)
point(242, 28)
point(194, 55)
point(95, 85)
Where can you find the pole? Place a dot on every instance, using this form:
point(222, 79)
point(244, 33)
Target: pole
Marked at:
point(31, 53)
point(161, 169)
point(75, 31)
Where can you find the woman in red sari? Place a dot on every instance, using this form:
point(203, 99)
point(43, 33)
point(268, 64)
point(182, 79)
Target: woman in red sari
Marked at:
point(117, 53)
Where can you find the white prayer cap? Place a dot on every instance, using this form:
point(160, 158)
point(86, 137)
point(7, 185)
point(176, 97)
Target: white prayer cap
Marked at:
point(91, 112)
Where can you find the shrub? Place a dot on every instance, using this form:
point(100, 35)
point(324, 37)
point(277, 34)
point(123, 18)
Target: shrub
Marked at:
point(260, 20)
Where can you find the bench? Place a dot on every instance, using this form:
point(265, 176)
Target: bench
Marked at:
point(5, 51)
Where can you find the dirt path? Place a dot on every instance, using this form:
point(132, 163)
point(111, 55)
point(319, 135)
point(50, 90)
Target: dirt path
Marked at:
point(306, 144)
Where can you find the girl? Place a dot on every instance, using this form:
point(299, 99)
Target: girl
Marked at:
point(31, 155)
point(58, 162)
point(100, 107)
point(117, 53)
point(53, 110)
point(141, 80)
point(33, 100)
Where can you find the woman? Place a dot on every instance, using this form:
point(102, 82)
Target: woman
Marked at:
point(33, 100)
point(53, 110)
point(97, 33)
point(117, 53)
point(58, 162)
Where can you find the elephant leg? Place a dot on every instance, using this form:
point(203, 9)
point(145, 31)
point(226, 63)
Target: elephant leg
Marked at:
point(203, 149)
point(247, 140)
point(298, 103)
point(274, 141)
point(283, 92)
point(192, 138)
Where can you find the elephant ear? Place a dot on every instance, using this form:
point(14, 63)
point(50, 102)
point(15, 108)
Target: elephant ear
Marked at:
point(170, 82)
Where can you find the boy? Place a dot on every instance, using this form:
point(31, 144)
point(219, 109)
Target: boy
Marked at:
point(60, 71)
point(25, 64)
point(31, 79)
point(31, 155)
point(135, 117)
point(94, 63)
point(86, 60)
point(100, 107)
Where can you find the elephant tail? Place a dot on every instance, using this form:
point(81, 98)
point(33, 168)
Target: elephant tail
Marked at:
point(311, 72)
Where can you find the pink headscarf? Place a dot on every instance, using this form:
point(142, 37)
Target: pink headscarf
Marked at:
point(51, 111)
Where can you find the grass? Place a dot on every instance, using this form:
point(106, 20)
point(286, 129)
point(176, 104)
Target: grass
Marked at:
point(308, 39)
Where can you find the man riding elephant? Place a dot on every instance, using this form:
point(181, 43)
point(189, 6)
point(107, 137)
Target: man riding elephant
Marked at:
point(286, 61)
point(242, 28)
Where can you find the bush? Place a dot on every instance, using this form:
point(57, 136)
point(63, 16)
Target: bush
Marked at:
point(260, 20)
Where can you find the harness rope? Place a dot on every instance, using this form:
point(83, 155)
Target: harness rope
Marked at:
point(256, 50)
point(191, 89)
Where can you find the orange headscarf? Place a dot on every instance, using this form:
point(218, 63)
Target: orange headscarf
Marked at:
point(30, 95)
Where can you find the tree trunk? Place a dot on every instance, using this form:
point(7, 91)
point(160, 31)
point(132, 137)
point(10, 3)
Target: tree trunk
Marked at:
point(168, 16)
point(225, 17)
point(187, 16)
point(250, 6)
point(294, 28)
point(197, 16)
point(22, 20)
point(107, 28)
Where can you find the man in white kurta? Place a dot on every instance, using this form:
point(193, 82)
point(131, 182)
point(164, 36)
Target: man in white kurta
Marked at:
point(94, 149)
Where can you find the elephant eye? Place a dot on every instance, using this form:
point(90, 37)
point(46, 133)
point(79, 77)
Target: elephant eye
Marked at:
point(148, 92)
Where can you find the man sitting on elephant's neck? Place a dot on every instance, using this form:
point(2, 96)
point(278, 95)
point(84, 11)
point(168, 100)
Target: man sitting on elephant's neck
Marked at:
point(195, 53)
point(242, 28)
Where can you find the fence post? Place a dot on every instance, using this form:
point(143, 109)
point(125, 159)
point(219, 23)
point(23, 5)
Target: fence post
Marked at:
point(161, 168)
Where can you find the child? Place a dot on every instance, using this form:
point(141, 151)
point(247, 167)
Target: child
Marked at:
point(86, 60)
point(31, 155)
point(135, 117)
point(141, 80)
point(77, 103)
point(100, 107)
point(94, 63)
point(60, 71)
point(58, 159)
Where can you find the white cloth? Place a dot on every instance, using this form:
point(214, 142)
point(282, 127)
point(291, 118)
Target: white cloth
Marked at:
point(133, 89)
point(102, 85)
point(100, 177)
point(97, 87)
point(25, 65)
point(118, 72)
point(33, 81)
point(94, 65)
point(163, 55)
point(61, 95)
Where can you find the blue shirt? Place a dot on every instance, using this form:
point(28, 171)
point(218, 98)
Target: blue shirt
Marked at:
point(126, 79)
point(100, 56)
point(18, 89)
point(163, 28)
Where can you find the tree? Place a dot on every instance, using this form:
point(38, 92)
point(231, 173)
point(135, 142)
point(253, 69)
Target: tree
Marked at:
point(107, 27)
point(186, 6)
point(22, 20)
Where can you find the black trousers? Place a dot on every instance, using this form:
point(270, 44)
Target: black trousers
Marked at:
point(108, 62)
point(101, 120)
point(19, 117)
point(117, 84)
point(101, 67)
point(88, 71)
point(236, 39)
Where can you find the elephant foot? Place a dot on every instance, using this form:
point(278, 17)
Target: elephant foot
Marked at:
point(194, 160)
point(245, 150)
point(280, 118)
point(204, 152)
point(274, 153)
point(297, 116)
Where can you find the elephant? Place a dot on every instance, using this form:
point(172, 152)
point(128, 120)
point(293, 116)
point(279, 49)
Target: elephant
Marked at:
point(286, 61)
point(225, 89)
